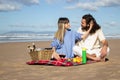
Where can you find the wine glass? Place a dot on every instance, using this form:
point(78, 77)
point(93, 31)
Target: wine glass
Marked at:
point(62, 55)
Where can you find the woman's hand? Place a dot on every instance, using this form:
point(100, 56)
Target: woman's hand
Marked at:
point(87, 33)
point(91, 24)
point(56, 55)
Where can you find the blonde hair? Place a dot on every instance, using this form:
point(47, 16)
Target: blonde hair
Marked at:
point(61, 29)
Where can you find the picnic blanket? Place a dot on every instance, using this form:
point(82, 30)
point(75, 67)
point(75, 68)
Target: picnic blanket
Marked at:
point(61, 62)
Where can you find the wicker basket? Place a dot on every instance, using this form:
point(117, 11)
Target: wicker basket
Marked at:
point(41, 55)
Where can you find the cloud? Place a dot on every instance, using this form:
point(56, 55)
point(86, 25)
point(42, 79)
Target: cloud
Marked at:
point(8, 7)
point(93, 6)
point(50, 1)
point(85, 6)
point(33, 26)
point(61, 1)
point(111, 24)
point(53, 1)
point(22, 25)
point(11, 5)
point(71, 1)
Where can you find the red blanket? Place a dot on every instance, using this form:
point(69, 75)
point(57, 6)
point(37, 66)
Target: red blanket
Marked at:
point(62, 62)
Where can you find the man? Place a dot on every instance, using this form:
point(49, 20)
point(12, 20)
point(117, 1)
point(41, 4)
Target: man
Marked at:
point(92, 43)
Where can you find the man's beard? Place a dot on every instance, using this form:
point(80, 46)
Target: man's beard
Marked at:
point(85, 28)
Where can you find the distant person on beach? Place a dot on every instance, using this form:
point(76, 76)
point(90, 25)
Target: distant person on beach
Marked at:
point(64, 39)
point(95, 43)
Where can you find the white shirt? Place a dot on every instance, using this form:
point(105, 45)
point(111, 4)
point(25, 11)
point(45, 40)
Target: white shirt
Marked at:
point(92, 41)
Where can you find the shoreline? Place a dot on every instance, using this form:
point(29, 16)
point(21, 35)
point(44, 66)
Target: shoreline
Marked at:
point(24, 41)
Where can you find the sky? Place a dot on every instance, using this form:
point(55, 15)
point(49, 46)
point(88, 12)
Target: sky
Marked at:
point(42, 15)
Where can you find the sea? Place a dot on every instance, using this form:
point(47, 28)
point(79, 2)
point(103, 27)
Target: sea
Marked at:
point(26, 36)
point(29, 36)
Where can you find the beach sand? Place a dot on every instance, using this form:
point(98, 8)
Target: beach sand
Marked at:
point(14, 55)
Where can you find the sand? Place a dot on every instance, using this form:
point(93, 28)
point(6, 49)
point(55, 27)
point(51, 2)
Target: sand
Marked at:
point(14, 55)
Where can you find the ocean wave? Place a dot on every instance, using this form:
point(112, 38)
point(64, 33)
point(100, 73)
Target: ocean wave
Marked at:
point(20, 37)
point(24, 37)
point(113, 36)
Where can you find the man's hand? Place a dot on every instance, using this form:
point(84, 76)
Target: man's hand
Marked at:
point(103, 51)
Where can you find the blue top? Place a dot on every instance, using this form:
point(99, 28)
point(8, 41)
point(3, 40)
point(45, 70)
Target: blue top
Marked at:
point(69, 42)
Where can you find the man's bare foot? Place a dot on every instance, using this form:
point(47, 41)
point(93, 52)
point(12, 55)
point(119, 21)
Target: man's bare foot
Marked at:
point(97, 59)
point(104, 59)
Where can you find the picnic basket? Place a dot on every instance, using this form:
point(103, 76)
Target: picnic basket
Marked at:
point(44, 54)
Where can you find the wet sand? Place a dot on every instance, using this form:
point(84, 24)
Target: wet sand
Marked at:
point(14, 55)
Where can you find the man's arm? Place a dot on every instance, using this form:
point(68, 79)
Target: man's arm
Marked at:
point(104, 48)
point(105, 43)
